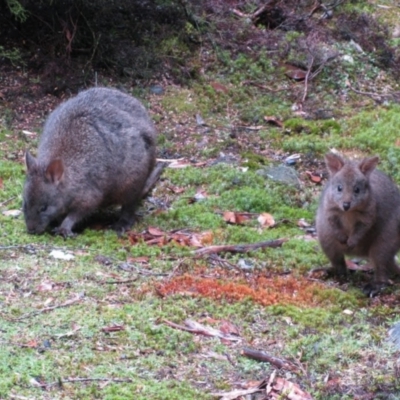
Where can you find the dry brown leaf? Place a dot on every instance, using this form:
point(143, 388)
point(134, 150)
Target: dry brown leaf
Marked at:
point(314, 176)
point(266, 220)
point(45, 286)
point(294, 72)
point(237, 218)
point(235, 394)
point(155, 231)
point(113, 328)
point(302, 223)
point(228, 328)
point(273, 120)
point(356, 267)
point(230, 217)
point(155, 236)
point(206, 237)
point(291, 390)
point(176, 189)
point(140, 260)
point(218, 87)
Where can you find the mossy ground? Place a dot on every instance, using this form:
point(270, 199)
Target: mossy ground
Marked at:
point(58, 316)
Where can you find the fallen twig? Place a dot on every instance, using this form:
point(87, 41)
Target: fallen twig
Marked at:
point(213, 258)
point(266, 357)
point(236, 394)
point(240, 248)
point(7, 201)
point(197, 328)
point(306, 79)
point(117, 282)
point(47, 309)
point(60, 382)
point(374, 96)
point(273, 387)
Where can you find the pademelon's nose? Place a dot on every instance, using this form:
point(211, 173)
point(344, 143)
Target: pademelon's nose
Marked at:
point(346, 206)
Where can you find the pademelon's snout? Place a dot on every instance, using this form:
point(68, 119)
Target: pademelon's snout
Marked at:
point(346, 206)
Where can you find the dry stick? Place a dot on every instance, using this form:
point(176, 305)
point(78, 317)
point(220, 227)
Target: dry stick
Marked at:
point(321, 67)
point(240, 248)
point(260, 10)
point(117, 282)
point(47, 309)
point(200, 329)
point(374, 96)
point(306, 79)
point(223, 263)
point(7, 201)
point(77, 380)
point(266, 357)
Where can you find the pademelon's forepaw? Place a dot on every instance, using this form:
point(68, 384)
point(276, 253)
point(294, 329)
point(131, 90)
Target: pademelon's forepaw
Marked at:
point(372, 289)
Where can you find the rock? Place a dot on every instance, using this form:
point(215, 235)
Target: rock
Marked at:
point(281, 173)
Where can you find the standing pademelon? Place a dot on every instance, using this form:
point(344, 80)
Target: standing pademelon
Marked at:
point(359, 214)
point(97, 149)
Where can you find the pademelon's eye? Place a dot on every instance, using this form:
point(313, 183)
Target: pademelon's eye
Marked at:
point(43, 208)
point(339, 188)
point(356, 190)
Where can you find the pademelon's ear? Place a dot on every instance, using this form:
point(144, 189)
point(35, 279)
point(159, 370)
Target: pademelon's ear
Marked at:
point(368, 165)
point(30, 161)
point(334, 163)
point(54, 171)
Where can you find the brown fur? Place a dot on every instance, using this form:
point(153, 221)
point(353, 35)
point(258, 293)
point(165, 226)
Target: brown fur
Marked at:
point(97, 149)
point(359, 214)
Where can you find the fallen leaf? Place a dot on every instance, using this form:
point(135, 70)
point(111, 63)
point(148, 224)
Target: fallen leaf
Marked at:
point(32, 344)
point(113, 328)
point(235, 394)
point(155, 231)
point(302, 223)
point(199, 196)
point(155, 236)
point(176, 189)
point(314, 176)
point(199, 240)
point(266, 220)
point(273, 120)
point(237, 218)
point(45, 286)
point(294, 72)
point(229, 328)
point(199, 120)
point(218, 87)
point(182, 163)
point(61, 255)
point(358, 267)
point(48, 301)
point(200, 329)
point(29, 133)
point(140, 260)
point(12, 213)
point(290, 390)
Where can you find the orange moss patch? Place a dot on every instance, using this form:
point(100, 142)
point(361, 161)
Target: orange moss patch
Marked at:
point(266, 291)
